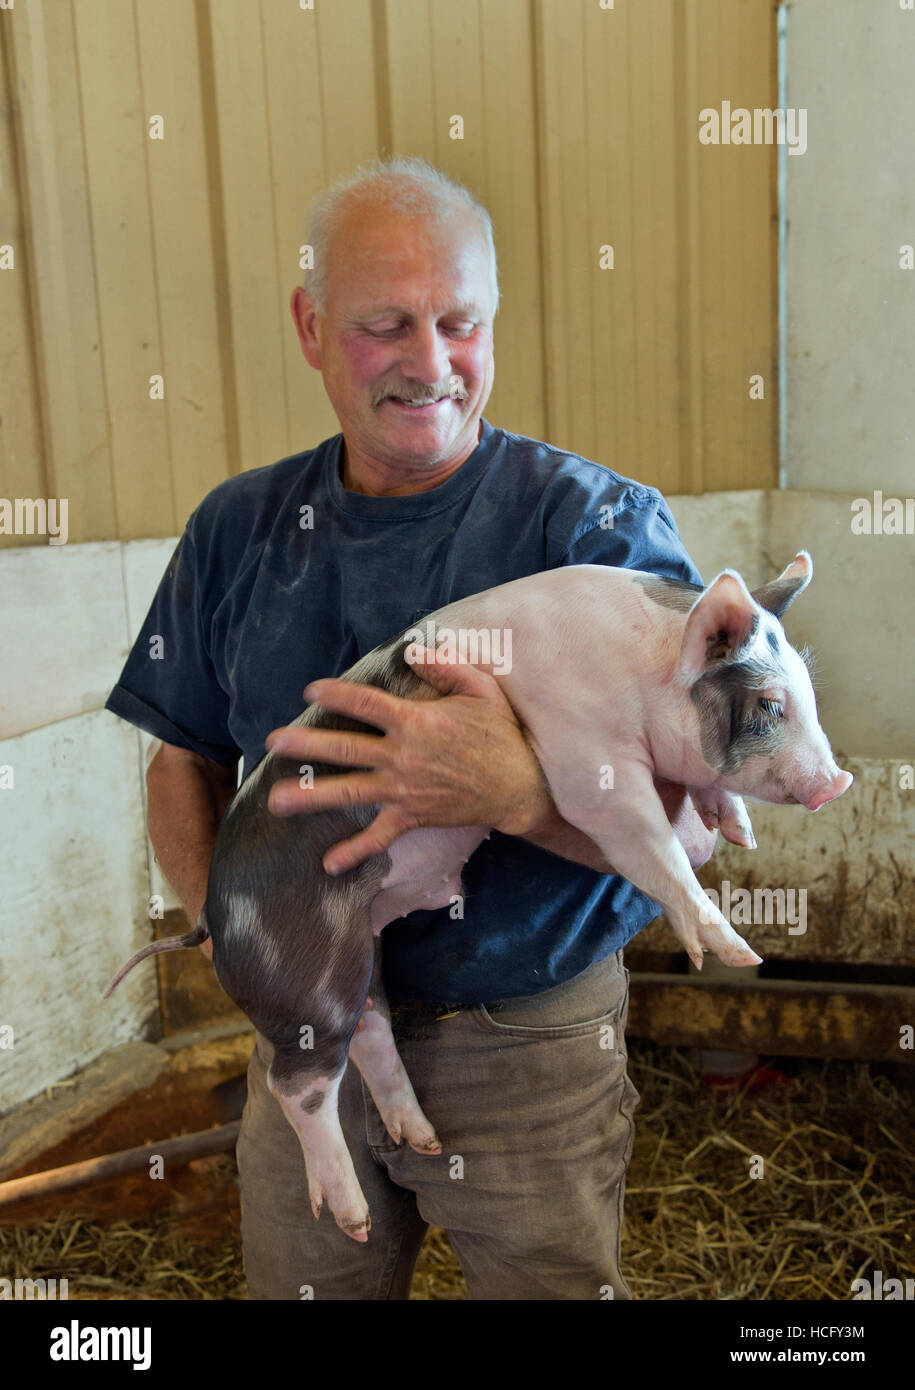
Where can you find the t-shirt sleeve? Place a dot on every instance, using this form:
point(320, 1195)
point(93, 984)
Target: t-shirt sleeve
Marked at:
point(634, 532)
point(169, 684)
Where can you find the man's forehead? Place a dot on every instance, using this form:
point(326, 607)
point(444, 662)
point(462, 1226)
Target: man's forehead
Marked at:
point(469, 307)
point(394, 262)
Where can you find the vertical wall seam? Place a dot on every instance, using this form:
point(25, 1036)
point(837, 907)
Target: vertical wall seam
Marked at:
point(540, 181)
point(218, 234)
point(154, 271)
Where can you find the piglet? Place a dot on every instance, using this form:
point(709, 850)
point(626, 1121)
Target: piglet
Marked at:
point(611, 669)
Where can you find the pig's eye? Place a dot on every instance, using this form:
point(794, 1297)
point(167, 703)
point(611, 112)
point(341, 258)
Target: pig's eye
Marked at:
point(772, 707)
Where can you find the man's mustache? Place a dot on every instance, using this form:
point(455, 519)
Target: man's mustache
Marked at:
point(417, 391)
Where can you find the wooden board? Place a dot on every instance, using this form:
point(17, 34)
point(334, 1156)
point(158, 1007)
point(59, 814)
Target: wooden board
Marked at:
point(779, 1017)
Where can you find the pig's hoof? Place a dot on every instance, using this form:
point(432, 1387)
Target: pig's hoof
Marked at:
point(432, 1145)
point(354, 1223)
point(723, 941)
point(358, 1229)
point(736, 827)
point(738, 953)
point(420, 1139)
point(737, 956)
point(419, 1133)
point(739, 835)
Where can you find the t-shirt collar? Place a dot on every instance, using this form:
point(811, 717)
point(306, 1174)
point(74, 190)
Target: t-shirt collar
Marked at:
point(414, 504)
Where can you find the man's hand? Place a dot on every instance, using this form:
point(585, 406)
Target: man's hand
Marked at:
point(460, 760)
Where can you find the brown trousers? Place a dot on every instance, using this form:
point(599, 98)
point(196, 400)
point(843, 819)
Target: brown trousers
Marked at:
point(533, 1105)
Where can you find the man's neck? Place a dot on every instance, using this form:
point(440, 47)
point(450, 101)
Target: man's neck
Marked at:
point(373, 479)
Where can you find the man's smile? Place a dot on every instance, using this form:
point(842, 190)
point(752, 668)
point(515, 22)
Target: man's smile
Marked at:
point(415, 407)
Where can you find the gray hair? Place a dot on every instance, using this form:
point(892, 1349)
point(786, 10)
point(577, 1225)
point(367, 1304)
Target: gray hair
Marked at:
point(409, 185)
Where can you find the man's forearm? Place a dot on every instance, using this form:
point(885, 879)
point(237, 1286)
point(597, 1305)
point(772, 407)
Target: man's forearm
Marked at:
point(553, 833)
point(559, 837)
point(185, 805)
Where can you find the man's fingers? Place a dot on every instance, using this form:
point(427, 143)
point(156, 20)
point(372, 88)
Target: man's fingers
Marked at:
point(376, 838)
point(288, 798)
point(329, 746)
point(365, 702)
point(449, 677)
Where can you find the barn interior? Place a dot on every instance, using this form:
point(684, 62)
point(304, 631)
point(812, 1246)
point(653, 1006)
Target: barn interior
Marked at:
point(729, 322)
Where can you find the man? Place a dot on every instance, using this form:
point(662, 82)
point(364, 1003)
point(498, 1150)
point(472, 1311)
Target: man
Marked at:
point(509, 1018)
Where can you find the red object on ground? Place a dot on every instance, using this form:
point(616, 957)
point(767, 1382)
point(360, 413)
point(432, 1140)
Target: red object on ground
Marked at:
point(756, 1079)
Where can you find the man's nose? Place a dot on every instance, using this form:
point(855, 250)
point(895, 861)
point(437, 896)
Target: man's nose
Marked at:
point(427, 358)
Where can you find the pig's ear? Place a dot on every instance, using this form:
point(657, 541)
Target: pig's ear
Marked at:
point(721, 623)
point(785, 589)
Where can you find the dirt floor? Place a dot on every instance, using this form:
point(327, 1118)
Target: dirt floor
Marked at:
point(788, 1186)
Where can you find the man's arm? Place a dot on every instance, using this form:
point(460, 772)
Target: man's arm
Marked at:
point(553, 833)
point(187, 796)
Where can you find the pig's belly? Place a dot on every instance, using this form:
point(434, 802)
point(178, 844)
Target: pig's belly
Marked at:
point(425, 871)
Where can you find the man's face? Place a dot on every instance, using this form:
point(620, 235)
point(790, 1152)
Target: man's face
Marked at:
point(409, 308)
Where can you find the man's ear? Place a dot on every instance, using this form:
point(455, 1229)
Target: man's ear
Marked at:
point(784, 590)
point(305, 318)
point(721, 622)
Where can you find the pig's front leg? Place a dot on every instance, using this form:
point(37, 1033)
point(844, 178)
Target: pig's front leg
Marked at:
point(628, 823)
point(374, 1052)
point(724, 811)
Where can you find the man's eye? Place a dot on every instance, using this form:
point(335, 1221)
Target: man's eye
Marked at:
point(772, 707)
point(383, 332)
point(459, 330)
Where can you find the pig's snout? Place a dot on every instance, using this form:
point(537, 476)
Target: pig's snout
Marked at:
point(829, 790)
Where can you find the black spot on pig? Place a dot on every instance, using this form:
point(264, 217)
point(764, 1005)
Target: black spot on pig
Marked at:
point(772, 639)
point(313, 1103)
point(670, 593)
point(732, 726)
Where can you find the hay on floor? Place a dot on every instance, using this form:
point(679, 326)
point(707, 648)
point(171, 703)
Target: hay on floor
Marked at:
point(833, 1201)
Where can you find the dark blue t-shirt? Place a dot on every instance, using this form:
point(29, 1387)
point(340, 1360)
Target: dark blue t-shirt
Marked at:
point(282, 576)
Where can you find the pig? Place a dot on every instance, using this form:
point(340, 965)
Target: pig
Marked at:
point(609, 668)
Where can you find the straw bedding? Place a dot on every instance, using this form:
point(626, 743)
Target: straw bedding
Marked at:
point(835, 1201)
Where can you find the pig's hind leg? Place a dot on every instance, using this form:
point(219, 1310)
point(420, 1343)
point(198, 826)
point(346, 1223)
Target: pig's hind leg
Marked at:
point(311, 995)
point(374, 1052)
point(309, 1103)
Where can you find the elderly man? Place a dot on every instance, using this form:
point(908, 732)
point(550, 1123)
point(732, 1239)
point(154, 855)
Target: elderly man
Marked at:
point(289, 573)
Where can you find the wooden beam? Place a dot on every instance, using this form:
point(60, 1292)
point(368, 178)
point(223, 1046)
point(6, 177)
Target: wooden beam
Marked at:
point(75, 1175)
point(782, 1017)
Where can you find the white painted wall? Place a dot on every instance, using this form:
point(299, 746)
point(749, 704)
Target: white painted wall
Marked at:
point(851, 205)
point(74, 856)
